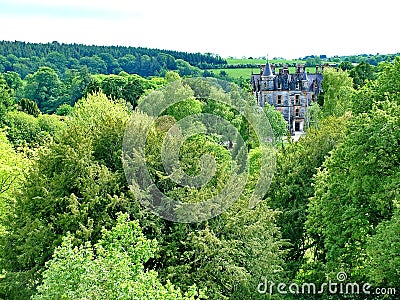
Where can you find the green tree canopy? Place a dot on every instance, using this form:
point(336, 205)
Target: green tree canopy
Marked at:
point(113, 268)
point(293, 184)
point(6, 99)
point(356, 189)
point(337, 89)
point(44, 87)
point(361, 73)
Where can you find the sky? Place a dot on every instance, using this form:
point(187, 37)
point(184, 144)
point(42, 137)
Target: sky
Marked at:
point(256, 28)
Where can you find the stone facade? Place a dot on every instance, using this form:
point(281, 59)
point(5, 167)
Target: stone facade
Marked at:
point(291, 94)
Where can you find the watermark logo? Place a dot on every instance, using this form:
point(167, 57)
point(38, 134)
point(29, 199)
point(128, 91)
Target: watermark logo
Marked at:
point(339, 286)
point(245, 118)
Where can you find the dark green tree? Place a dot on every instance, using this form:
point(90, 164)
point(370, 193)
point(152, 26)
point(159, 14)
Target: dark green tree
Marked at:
point(30, 107)
point(361, 73)
point(6, 99)
point(44, 87)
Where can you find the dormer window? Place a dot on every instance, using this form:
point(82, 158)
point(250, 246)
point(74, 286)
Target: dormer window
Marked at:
point(279, 99)
point(297, 112)
point(297, 99)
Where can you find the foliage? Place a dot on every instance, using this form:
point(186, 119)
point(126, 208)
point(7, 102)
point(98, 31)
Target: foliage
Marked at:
point(129, 87)
point(6, 99)
point(357, 187)
point(292, 185)
point(332, 204)
point(64, 110)
point(337, 89)
point(346, 65)
point(27, 130)
point(11, 176)
point(30, 107)
point(386, 87)
point(314, 115)
point(72, 187)
point(26, 58)
point(111, 269)
point(383, 262)
point(278, 123)
point(44, 87)
point(231, 253)
point(361, 73)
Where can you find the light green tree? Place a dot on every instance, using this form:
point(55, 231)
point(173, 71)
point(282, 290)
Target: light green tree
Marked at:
point(337, 89)
point(278, 123)
point(113, 268)
point(12, 166)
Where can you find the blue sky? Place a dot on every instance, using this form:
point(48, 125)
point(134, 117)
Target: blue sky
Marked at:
point(290, 28)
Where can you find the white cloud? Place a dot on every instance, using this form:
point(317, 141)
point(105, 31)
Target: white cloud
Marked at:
point(254, 28)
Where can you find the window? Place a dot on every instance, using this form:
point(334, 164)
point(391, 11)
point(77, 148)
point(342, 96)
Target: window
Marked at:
point(297, 85)
point(279, 85)
point(297, 112)
point(279, 99)
point(297, 99)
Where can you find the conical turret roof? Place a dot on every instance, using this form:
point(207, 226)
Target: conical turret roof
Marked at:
point(305, 77)
point(267, 70)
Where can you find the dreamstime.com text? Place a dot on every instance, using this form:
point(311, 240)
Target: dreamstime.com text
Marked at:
point(330, 287)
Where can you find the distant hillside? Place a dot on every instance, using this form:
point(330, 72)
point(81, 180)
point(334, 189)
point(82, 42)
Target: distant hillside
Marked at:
point(25, 58)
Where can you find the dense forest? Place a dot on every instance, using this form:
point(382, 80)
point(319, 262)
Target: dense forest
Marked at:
point(72, 227)
point(26, 58)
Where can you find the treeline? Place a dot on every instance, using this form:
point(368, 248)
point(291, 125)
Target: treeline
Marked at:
point(45, 91)
point(373, 59)
point(26, 58)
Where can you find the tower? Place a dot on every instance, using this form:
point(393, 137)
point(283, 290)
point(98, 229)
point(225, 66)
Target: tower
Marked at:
point(268, 77)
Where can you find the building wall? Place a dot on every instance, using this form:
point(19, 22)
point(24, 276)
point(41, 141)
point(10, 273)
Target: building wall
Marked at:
point(291, 94)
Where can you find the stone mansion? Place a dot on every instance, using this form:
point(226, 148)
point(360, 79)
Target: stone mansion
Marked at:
point(291, 94)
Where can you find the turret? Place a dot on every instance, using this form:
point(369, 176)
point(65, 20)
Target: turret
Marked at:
point(268, 76)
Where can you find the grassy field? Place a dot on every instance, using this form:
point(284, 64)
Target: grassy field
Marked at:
point(236, 73)
point(246, 72)
point(238, 61)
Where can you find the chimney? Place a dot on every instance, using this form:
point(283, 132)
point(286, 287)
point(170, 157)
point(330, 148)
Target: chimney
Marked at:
point(273, 68)
point(285, 69)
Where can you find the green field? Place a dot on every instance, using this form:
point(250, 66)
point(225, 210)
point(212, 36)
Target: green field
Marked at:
point(238, 61)
point(246, 72)
point(236, 73)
